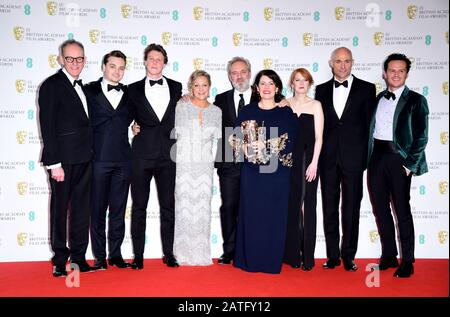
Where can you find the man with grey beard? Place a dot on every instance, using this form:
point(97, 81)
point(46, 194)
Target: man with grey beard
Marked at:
point(231, 102)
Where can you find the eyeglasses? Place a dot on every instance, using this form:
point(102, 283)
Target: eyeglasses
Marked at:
point(70, 59)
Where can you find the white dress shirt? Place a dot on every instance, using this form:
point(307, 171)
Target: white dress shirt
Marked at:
point(158, 96)
point(113, 96)
point(384, 117)
point(340, 96)
point(247, 96)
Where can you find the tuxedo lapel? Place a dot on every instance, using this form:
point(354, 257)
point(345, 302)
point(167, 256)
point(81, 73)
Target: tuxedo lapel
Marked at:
point(231, 106)
point(351, 95)
point(329, 97)
point(69, 87)
point(101, 98)
point(172, 97)
point(400, 105)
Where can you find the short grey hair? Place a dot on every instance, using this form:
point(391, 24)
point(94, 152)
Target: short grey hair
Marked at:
point(239, 59)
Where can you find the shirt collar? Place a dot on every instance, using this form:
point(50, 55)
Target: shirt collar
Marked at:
point(68, 75)
point(398, 92)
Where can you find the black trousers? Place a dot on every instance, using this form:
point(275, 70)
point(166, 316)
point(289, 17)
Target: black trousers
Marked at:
point(73, 194)
point(142, 173)
point(388, 183)
point(334, 179)
point(110, 186)
point(229, 181)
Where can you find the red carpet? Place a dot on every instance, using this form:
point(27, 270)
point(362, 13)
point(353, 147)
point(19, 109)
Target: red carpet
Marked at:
point(34, 279)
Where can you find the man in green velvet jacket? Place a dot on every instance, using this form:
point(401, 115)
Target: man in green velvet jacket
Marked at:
point(397, 140)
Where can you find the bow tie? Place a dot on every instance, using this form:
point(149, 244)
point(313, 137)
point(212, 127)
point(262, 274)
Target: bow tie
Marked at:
point(117, 87)
point(79, 82)
point(388, 95)
point(344, 83)
point(159, 82)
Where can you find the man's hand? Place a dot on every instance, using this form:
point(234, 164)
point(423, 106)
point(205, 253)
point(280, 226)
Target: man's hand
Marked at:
point(186, 98)
point(57, 174)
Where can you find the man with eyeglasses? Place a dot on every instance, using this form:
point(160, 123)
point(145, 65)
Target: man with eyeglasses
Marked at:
point(67, 153)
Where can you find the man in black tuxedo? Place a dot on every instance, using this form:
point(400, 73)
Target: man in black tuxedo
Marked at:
point(111, 173)
point(153, 100)
point(347, 103)
point(67, 154)
point(397, 140)
point(231, 102)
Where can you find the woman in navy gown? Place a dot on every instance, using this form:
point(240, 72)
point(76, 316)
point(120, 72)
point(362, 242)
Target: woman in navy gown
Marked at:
point(265, 176)
point(302, 219)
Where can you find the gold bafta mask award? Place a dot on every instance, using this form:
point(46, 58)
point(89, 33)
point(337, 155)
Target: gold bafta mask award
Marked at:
point(51, 7)
point(411, 11)
point(268, 13)
point(18, 32)
point(339, 13)
point(125, 9)
point(197, 11)
point(307, 39)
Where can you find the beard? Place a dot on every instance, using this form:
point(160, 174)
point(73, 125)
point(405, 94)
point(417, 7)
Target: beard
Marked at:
point(241, 87)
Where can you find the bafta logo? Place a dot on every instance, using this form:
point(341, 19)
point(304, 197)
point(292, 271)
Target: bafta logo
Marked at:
point(20, 137)
point(378, 38)
point(446, 37)
point(22, 188)
point(129, 63)
point(444, 137)
point(339, 13)
point(268, 14)
point(198, 62)
point(443, 187)
point(378, 88)
point(165, 37)
point(51, 8)
point(125, 9)
point(198, 13)
point(94, 35)
point(307, 39)
point(20, 86)
point(53, 60)
point(445, 88)
point(237, 37)
point(21, 238)
point(18, 32)
point(373, 236)
point(267, 62)
point(128, 212)
point(411, 11)
point(442, 236)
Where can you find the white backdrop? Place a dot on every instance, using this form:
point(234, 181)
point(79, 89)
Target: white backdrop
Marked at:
point(281, 34)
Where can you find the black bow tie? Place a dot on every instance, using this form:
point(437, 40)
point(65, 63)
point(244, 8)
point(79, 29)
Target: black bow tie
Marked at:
point(344, 83)
point(159, 82)
point(388, 95)
point(79, 82)
point(117, 87)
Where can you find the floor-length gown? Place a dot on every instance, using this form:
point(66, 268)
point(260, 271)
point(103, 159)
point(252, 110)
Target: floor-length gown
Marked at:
point(263, 206)
point(196, 130)
point(301, 227)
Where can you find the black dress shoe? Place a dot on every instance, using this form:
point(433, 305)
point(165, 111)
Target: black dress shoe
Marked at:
point(82, 266)
point(100, 264)
point(295, 266)
point(306, 267)
point(59, 270)
point(349, 265)
point(331, 263)
point(225, 259)
point(170, 261)
point(387, 262)
point(119, 262)
point(406, 269)
point(138, 264)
